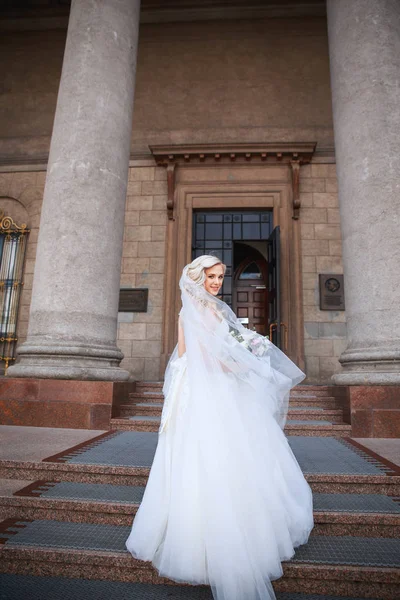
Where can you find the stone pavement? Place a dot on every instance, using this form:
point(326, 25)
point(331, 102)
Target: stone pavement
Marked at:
point(67, 499)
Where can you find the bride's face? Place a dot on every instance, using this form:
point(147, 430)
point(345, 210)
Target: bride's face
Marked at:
point(214, 279)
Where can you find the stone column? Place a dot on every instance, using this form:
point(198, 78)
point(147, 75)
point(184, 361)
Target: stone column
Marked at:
point(364, 47)
point(73, 315)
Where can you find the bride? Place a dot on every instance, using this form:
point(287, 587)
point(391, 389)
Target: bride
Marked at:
point(226, 500)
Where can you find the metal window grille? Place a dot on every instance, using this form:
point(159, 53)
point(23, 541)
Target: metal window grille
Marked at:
point(13, 240)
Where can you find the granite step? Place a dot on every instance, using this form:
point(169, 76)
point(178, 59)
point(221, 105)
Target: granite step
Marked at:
point(18, 587)
point(326, 564)
point(365, 515)
point(293, 427)
point(330, 464)
point(305, 413)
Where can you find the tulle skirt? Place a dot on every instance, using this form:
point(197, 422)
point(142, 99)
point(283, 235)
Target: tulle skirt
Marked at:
point(226, 501)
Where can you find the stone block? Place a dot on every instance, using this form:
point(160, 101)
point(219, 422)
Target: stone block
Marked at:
point(153, 331)
point(154, 187)
point(150, 280)
point(157, 265)
point(318, 347)
point(309, 298)
point(147, 349)
point(325, 231)
point(31, 250)
point(28, 281)
point(307, 231)
point(125, 345)
point(127, 280)
point(151, 249)
point(29, 265)
point(328, 366)
point(361, 423)
point(325, 200)
point(139, 203)
point(310, 281)
point(312, 185)
point(152, 369)
point(132, 331)
point(312, 368)
point(333, 215)
point(130, 249)
point(153, 315)
point(158, 233)
point(125, 317)
point(41, 179)
point(378, 397)
point(335, 248)
point(306, 199)
point(156, 297)
point(314, 248)
point(313, 215)
point(328, 171)
point(160, 174)
point(141, 233)
point(309, 264)
point(311, 330)
point(339, 345)
point(329, 264)
point(153, 217)
point(160, 202)
point(333, 330)
point(331, 185)
point(312, 313)
point(141, 173)
point(305, 171)
point(386, 423)
point(135, 366)
point(135, 265)
point(131, 217)
point(134, 188)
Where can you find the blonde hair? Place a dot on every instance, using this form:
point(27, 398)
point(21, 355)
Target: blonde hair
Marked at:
point(196, 269)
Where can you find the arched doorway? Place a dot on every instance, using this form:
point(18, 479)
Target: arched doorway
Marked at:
point(250, 290)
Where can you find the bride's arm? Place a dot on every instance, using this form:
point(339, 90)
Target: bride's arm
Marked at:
point(181, 339)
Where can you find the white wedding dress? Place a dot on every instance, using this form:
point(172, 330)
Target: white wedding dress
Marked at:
point(226, 500)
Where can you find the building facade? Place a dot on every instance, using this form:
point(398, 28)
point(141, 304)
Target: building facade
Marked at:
point(136, 138)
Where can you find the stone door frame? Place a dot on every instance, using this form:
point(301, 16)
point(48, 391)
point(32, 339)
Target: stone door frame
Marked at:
point(223, 178)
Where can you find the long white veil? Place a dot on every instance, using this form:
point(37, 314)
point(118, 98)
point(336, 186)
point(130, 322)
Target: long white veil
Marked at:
point(220, 349)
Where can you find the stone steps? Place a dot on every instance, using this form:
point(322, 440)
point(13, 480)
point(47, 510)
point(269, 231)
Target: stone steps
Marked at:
point(294, 427)
point(154, 409)
point(365, 515)
point(327, 564)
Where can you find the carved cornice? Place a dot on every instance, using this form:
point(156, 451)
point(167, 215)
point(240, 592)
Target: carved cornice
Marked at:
point(240, 153)
point(293, 154)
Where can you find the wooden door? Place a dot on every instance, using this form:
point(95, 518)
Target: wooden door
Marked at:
point(250, 298)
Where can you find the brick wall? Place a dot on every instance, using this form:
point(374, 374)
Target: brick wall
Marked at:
point(325, 331)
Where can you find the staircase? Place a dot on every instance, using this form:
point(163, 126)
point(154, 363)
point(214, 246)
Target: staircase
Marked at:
point(313, 410)
point(62, 535)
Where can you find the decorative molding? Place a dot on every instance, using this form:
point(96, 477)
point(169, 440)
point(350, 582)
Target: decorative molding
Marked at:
point(293, 154)
point(239, 153)
point(295, 168)
point(8, 225)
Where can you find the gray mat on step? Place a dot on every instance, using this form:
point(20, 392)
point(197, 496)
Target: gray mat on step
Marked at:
point(355, 503)
point(28, 587)
point(321, 549)
point(97, 492)
point(326, 455)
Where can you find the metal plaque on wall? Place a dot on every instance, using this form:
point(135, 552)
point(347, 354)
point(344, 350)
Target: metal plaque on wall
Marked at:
point(133, 300)
point(331, 292)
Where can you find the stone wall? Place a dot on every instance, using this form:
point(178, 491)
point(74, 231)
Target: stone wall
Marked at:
point(325, 331)
point(139, 334)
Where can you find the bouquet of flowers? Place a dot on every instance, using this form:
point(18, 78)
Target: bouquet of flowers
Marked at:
point(253, 342)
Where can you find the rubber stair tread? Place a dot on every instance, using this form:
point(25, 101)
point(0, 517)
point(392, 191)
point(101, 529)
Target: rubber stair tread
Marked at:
point(18, 587)
point(331, 550)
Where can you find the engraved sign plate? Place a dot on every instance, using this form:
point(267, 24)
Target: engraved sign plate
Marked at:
point(133, 300)
point(331, 292)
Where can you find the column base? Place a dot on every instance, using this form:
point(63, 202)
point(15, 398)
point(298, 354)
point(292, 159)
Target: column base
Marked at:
point(65, 404)
point(69, 360)
point(369, 366)
point(375, 411)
